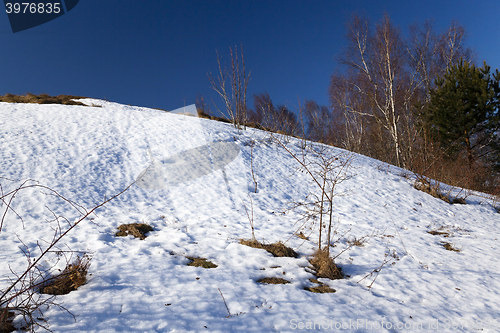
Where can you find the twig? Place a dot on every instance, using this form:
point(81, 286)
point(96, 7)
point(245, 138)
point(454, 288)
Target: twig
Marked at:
point(379, 268)
point(397, 230)
point(228, 312)
point(249, 215)
point(251, 164)
point(376, 270)
point(21, 294)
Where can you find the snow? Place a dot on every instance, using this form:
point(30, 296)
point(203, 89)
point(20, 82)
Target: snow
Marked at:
point(196, 207)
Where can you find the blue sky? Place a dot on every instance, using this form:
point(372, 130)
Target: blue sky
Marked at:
point(157, 53)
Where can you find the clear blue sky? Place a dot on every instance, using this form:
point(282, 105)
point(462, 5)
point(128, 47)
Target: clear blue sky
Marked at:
point(157, 53)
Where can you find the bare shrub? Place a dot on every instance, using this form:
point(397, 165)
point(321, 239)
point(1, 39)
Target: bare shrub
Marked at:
point(234, 96)
point(432, 161)
point(277, 119)
point(21, 296)
point(326, 170)
point(201, 107)
point(323, 125)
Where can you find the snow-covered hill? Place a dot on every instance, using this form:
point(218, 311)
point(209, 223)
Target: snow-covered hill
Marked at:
point(89, 153)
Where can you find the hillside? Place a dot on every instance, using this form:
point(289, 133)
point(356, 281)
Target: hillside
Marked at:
point(197, 209)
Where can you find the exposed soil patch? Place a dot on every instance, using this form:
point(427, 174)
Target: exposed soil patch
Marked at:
point(138, 230)
point(276, 249)
point(201, 262)
point(73, 276)
point(273, 280)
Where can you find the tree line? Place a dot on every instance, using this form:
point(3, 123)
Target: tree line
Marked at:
point(419, 102)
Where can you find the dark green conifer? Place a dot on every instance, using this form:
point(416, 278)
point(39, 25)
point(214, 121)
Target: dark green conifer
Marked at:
point(463, 113)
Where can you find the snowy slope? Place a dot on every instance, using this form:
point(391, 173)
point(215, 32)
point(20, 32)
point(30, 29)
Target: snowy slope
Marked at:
point(89, 153)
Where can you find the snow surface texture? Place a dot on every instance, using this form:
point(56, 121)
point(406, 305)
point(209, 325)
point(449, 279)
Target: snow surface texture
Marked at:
point(88, 153)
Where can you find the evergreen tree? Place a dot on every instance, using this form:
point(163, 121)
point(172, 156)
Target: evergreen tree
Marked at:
point(464, 112)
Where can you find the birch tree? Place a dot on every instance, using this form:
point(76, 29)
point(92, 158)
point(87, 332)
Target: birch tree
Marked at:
point(234, 93)
point(384, 78)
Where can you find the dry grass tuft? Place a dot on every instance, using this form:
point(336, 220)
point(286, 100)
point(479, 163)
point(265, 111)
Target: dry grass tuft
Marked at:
point(276, 249)
point(73, 276)
point(442, 233)
point(302, 236)
point(138, 230)
point(322, 289)
point(6, 319)
point(360, 242)
point(273, 280)
point(450, 247)
point(325, 266)
point(201, 262)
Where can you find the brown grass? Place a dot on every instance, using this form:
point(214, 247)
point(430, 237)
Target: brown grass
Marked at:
point(325, 266)
point(138, 230)
point(276, 249)
point(273, 280)
point(450, 247)
point(6, 318)
point(41, 99)
point(434, 232)
point(322, 289)
point(302, 236)
point(360, 242)
point(73, 276)
point(201, 262)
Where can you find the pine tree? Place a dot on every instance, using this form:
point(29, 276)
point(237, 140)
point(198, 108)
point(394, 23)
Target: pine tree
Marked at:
point(463, 113)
